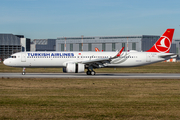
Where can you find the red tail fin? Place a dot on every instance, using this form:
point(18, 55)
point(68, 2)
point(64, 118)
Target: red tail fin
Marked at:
point(164, 42)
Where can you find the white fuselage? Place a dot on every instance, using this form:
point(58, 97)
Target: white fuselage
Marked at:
point(59, 59)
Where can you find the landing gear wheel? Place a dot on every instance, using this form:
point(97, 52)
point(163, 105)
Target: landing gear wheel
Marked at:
point(88, 72)
point(93, 73)
point(23, 73)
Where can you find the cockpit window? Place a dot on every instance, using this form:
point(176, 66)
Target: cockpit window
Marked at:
point(12, 56)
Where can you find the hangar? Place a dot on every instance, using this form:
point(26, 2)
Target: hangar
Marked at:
point(108, 43)
point(177, 41)
point(43, 45)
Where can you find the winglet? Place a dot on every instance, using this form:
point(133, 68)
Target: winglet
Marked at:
point(96, 49)
point(120, 52)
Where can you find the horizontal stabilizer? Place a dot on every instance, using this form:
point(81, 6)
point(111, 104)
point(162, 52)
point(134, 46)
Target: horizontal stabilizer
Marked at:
point(167, 55)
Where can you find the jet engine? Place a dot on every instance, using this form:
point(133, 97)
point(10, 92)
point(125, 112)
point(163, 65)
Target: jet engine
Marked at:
point(74, 68)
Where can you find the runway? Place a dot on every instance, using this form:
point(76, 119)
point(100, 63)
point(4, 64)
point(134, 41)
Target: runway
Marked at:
point(98, 75)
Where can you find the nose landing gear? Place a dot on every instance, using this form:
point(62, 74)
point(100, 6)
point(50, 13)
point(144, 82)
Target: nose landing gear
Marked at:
point(23, 73)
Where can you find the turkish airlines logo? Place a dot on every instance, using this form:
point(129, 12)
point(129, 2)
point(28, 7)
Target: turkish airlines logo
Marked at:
point(163, 45)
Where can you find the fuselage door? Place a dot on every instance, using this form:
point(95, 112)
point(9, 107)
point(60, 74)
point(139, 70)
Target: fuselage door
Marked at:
point(23, 57)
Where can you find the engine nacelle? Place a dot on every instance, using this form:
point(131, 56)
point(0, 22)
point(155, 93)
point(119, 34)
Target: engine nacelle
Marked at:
point(74, 68)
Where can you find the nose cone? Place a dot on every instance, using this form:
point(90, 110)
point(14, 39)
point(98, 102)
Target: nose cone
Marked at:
point(6, 62)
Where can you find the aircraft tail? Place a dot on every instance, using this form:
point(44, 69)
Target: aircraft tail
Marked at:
point(163, 45)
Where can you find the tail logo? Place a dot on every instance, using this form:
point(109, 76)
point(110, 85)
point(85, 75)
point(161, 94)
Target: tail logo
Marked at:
point(163, 45)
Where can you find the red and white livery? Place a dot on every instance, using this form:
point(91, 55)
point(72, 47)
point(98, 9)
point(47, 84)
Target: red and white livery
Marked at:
point(76, 62)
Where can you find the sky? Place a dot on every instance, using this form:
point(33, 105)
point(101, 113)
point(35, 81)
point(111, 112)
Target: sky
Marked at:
point(43, 19)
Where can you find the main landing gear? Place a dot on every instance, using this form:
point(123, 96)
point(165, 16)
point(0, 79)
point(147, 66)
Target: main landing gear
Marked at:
point(23, 73)
point(91, 72)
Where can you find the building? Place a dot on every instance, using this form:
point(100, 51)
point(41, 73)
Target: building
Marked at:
point(10, 44)
point(43, 45)
point(177, 42)
point(105, 43)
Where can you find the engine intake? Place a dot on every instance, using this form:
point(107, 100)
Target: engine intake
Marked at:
point(74, 68)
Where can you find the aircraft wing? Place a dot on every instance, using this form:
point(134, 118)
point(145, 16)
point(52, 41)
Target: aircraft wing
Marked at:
point(96, 63)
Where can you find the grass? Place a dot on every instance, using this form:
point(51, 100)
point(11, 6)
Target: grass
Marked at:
point(83, 99)
point(162, 67)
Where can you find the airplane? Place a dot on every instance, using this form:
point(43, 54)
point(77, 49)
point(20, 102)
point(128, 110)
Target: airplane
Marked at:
point(97, 50)
point(77, 62)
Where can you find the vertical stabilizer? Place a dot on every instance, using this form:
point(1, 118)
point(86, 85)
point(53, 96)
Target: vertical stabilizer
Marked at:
point(163, 45)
